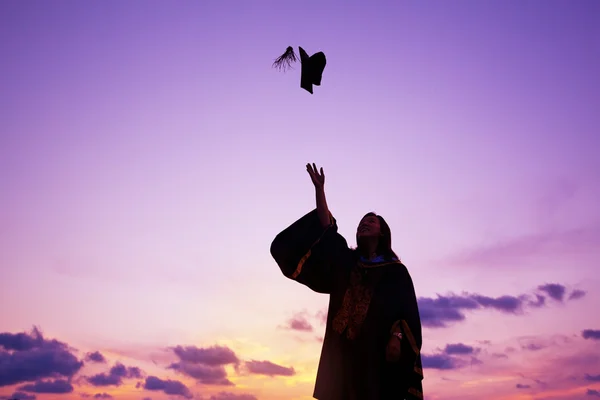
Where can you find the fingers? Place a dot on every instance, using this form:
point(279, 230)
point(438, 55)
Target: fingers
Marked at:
point(315, 172)
point(314, 168)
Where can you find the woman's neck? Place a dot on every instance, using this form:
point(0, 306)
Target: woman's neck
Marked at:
point(368, 249)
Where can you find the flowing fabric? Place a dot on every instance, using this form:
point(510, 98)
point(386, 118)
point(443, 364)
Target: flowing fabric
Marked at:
point(367, 300)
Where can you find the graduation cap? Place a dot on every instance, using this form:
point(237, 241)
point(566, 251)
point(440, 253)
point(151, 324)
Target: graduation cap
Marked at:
point(312, 67)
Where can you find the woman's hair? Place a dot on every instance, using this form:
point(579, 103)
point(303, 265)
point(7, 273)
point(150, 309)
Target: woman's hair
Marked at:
point(384, 245)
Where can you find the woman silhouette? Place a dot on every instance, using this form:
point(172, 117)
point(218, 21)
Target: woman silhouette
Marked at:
point(372, 344)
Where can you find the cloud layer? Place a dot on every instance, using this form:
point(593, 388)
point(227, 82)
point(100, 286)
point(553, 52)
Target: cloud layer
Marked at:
point(442, 311)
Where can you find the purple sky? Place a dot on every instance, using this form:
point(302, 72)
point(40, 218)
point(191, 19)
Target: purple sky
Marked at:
point(149, 154)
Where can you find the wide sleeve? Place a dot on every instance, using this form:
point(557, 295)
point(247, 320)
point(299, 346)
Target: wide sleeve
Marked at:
point(305, 251)
point(408, 321)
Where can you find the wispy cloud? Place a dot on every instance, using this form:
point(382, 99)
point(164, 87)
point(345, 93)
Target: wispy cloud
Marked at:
point(322, 316)
point(268, 368)
point(303, 321)
point(299, 323)
point(512, 250)
point(576, 294)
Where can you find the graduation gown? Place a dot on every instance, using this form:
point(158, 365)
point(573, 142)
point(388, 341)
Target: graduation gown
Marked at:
point(365, 302)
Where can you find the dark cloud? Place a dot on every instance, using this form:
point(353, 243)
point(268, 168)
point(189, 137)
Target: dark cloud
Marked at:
point(115, 376)
point(499, 355)
point(206, 365)
point(441, 311)
point(268, 368)
point(96, 356)
point(105, 380)
point(438, 312)
point(26, 357)
point(508, 304)
point(592, 392)
point(55, 386)
point(203, 373)
point(593, 334)
point(521, 386)
point(440, 361)
point(232, 396)
point(459, 348)
point(554, 290)
point(168, 386)
point(102, 396)
point(452, 357)
point(23, 341)
point(592, 378)
point(212, 356)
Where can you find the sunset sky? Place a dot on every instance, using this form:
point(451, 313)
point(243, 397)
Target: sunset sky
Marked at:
point(149, 154)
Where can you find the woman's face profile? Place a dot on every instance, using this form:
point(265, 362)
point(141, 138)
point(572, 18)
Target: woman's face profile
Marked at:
point(369, 227)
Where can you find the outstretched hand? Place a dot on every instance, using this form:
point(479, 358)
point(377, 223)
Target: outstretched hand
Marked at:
point(317, 178)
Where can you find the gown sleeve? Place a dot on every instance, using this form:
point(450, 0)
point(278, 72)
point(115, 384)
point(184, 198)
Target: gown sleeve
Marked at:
point(306, 251)
point(408, 321)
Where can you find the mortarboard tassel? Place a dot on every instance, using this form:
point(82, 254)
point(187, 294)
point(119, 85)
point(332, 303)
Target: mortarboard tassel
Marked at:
point(286, 59)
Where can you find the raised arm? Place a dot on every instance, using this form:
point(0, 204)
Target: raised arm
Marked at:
point(318, 180)
point(307, 250)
